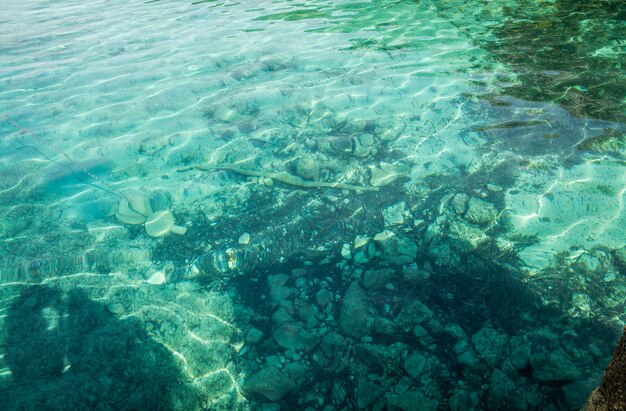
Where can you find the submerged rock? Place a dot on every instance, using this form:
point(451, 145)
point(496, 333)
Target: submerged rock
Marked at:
point(367, 393)
point(459, 203)
point(133, 208)
point(520, 352)
point(489, 344)
point(620, 258)
point(396, 250)
point(462, 400)
point(414, 364)
point(323, 297)
point(503, 393)
point(244, 239)
point(254, 336)
point(465, 353)
point(226, 114)
point(577, 392)
point(283, 315)
point(270, 382)
point(411, 400)
point(308, 169)
point(279, 293)
point(293, 336)
point(466, 237)
point(384, 326)
point(463, 349)
point(298, 371)
point(412, 314)
point(413, 274)
point(480, 212)
point(162, 223)
point(381, 359)
point(555, 366)
point(354, 318)
point(334, 349)
point(394, 214)
point(363, 145)
point(338, 393)
point(373, 279)
point(157, 278)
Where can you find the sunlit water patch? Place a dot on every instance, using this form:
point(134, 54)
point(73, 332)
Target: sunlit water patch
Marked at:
point(420, 202)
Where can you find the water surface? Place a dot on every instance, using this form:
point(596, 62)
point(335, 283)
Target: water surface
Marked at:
point(386, 203)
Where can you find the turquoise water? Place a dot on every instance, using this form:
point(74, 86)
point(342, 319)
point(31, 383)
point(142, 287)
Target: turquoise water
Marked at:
point(314, 205)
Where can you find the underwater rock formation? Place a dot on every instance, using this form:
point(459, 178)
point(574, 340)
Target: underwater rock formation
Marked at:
point(135, 208)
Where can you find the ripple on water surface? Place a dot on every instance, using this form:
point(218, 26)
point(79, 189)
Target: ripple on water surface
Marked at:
point(473, 237)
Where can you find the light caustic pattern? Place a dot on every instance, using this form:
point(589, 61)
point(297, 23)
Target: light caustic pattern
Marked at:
point(195, 328)
point(581, 206)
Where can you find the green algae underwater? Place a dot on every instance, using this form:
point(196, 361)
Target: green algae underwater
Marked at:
point(378, 205)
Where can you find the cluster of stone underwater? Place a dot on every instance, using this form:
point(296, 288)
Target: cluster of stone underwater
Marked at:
point(428, 306)
point(431, 312)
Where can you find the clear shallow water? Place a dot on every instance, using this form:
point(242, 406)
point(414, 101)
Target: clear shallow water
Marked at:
point(487, 270)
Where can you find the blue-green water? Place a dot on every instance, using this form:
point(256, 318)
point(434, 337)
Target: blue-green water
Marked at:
point(409, 205)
